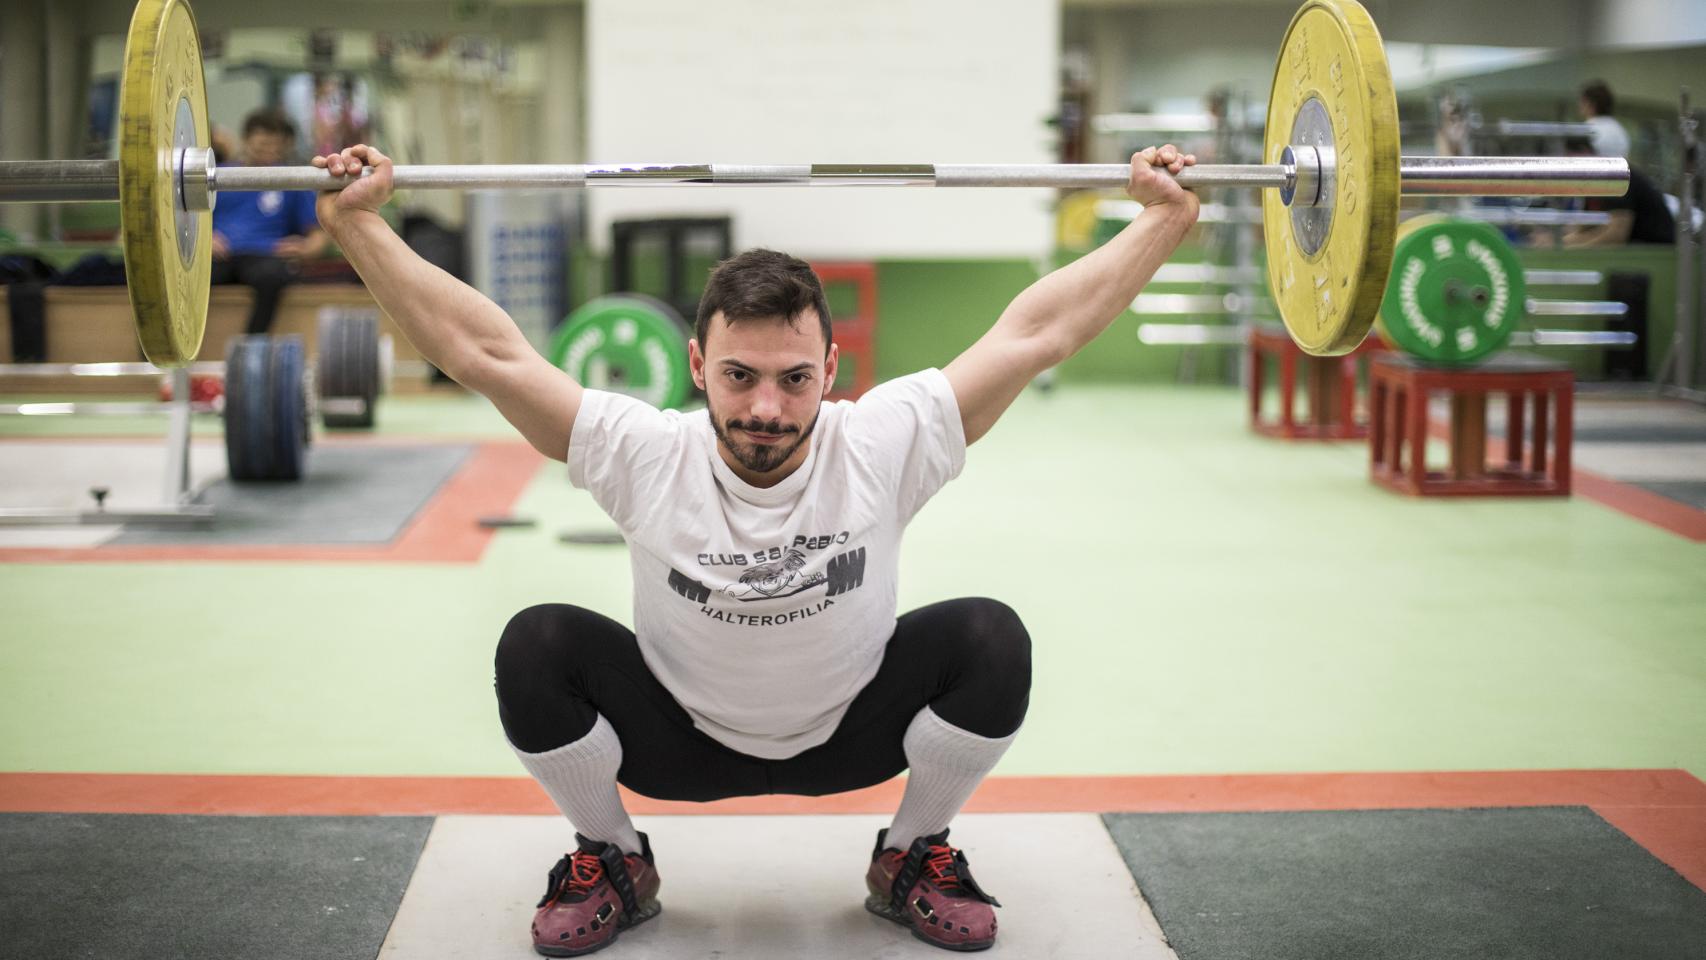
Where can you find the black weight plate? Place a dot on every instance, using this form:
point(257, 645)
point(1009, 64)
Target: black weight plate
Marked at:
point(348, 369)
point(286, 389)
point(247, 418)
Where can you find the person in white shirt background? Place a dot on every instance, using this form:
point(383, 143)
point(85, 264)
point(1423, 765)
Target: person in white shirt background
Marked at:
point(1597, 105)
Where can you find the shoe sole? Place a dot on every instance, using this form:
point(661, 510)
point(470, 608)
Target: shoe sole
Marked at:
point(882, 908)
point(648, 910)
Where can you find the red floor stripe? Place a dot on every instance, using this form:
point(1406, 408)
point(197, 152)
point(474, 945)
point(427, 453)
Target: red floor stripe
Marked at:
point(1626, 498)
point(1660, 511)
point(446, 530)
point(1663, 810)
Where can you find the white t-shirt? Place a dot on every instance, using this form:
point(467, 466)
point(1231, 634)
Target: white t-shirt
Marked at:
point(1609, 138)
point(763, 611)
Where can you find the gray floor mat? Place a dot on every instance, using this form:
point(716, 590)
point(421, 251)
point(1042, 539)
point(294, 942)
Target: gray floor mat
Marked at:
point(349, 494)
point(89, 885)
point(1650, 433)
point(1688, 492)
point(1539, 882)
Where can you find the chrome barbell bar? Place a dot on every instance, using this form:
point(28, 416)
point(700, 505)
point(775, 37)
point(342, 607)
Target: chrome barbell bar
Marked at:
point(45, 181)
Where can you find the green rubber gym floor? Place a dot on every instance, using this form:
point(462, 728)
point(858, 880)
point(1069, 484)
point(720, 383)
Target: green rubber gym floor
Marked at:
point(1202, 601)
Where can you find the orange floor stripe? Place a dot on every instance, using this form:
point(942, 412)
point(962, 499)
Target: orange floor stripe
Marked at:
point(1660, 511)
point(1663, 810)
point(446, 530)
point(1676, 835)
point(1626, 498)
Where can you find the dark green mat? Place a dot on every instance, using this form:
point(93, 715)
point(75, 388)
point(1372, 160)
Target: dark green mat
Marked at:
point(1548, 883)
point(1692, 493)
point(348, 494)
point(1658, 433)
point(135, 887)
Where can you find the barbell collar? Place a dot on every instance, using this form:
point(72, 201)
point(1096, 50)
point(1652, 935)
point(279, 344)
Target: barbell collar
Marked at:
point(196, 170)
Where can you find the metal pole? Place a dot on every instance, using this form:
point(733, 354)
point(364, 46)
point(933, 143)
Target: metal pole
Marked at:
point(177, 487)
point(51, 181)
point(33, 180)
point(1687, 314)
point(1515, 176)
point(1458, 176)
point(1689, 308)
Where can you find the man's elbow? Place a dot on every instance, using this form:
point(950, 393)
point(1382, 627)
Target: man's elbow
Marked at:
point(1049, 350)
point(478, 370)
point(478, 362)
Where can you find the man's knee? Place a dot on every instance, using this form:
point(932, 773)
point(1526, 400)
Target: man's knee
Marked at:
point(995, 638)
point(538, 661)
point(991, 659)
point(537, 642)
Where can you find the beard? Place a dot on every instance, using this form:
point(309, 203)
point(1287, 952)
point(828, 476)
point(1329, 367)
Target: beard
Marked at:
point(760, 457)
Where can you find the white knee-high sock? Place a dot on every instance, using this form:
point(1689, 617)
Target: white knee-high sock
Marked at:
point(946, 765)
point(580, 778)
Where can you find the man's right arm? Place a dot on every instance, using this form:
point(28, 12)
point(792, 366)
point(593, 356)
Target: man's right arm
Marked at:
point(453, 325)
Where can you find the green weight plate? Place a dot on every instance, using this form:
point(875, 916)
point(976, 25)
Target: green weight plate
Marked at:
point(629, 344)
point(1456, 292)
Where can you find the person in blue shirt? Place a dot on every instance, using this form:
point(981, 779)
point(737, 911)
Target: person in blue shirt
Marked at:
point(259, 238)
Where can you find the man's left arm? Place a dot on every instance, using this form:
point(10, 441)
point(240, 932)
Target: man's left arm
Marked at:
point(1056, 316)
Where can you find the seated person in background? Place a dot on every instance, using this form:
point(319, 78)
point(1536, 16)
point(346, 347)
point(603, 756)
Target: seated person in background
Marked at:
point(1639, 216)
point(258, 237)
point(1609, 138)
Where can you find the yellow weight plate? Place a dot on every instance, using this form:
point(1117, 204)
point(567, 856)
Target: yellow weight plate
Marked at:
point(1332, 87)
point(1405, 229)
point(1075, 219)
point(168, 252)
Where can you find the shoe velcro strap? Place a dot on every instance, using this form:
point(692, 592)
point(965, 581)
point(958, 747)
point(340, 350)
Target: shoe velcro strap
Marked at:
point(559, 873)
point(963, 869)
point(616, 869)
point(908, 873)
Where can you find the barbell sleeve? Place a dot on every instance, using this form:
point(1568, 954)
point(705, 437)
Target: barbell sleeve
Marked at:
point(1514, 176)
point(58, 181)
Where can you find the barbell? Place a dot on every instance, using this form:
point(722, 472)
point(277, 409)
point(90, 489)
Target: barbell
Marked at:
point(1332, 177)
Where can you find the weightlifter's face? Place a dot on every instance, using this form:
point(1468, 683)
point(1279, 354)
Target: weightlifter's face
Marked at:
point(763, 381)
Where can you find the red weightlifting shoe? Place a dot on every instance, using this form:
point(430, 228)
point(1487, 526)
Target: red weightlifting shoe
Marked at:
point(930, 889)
point(595, 893)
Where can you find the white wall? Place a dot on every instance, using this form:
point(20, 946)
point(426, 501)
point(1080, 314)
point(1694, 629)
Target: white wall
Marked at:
point(1649, 23)
point(881, 81)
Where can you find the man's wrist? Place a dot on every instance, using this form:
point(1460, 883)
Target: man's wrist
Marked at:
point(1171, 215)
point(352, 223)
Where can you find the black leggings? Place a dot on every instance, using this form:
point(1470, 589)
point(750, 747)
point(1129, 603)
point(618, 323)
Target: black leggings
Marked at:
point(559, 667)
point(266, 275)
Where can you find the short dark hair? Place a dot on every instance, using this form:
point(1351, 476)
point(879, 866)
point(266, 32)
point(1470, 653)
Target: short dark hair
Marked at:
point(1598, 96)
point(269, 120)
point(760, 285)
